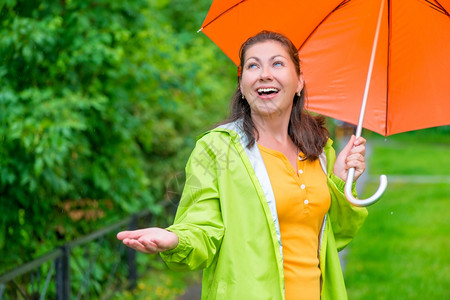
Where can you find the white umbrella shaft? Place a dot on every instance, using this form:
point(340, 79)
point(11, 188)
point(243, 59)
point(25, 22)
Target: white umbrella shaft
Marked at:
point(351, 173)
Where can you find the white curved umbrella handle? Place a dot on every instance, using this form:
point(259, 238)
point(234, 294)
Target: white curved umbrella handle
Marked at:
point(363, 202)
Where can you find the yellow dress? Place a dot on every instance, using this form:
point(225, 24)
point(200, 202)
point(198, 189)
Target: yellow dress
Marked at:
point(302, 200)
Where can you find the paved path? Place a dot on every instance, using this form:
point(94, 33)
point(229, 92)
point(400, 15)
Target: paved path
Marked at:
point(193, 293)
point(414, 179)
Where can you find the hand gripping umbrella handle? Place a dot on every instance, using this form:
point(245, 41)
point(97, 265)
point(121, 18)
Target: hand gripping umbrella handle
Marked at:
point(363, 202)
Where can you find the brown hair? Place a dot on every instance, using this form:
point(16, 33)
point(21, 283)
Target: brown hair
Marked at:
point(306, 131)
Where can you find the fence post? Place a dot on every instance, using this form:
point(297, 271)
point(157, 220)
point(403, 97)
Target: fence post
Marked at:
point(131, 257)
point(63, 274)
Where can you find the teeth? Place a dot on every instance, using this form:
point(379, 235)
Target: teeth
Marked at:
point(268, 90)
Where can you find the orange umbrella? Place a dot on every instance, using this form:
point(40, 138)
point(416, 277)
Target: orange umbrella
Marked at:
point(389, 58)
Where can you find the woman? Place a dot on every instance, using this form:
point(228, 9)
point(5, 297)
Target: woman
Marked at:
point(263, 210)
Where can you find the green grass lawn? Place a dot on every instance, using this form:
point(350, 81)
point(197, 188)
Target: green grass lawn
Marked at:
point(414, 154)
point(402, 250)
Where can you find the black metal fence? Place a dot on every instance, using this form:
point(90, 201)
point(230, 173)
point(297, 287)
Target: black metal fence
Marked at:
point(92, 267)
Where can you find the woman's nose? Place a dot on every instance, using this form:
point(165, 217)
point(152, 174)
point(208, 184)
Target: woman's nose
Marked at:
point(265, 73)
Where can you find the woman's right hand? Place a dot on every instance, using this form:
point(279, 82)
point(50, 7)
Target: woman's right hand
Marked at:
point(150, 240)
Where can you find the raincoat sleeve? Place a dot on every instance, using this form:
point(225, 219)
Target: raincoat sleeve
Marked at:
point(346, 219)
point(198, 221)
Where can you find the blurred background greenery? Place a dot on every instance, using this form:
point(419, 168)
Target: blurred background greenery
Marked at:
point(100, 103)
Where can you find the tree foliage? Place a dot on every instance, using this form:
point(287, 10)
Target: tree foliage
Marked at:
point(100, 103)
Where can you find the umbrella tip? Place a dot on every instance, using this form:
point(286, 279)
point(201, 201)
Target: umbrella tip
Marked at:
point(199, 30)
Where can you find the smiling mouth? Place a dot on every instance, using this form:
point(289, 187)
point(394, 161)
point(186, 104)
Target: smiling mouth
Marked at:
point(267, 91)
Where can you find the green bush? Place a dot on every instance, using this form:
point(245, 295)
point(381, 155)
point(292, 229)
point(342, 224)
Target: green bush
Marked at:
point(100, 103)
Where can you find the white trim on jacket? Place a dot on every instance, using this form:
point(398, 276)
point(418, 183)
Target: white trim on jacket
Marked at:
point(255, 157)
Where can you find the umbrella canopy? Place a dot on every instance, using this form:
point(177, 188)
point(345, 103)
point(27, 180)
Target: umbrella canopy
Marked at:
point(410, 83)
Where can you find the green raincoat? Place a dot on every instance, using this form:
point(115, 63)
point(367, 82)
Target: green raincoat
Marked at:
point(227, 222)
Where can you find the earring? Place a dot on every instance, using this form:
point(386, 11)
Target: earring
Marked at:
point(243, 97)
point(299, 93)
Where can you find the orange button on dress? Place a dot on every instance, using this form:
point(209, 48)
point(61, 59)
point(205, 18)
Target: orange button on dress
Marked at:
point(302, 200)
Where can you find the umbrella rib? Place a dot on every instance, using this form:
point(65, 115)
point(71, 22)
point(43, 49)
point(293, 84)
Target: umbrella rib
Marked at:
point(389, 18)
point(221, 14)
point(438, 7)
point(340, 5)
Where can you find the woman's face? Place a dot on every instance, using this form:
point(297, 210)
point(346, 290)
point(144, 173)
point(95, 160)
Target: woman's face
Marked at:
point(269, 79)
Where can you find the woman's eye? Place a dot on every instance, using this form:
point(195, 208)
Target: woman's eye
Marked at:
point(251, 66)
point(278, 64)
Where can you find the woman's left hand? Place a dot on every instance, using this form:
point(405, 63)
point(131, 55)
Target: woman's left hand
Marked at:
point(352, 156)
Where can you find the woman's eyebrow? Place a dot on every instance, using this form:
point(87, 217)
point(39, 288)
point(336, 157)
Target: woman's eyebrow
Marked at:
point(259, 60)
point(253, 57)
point(278, 55)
